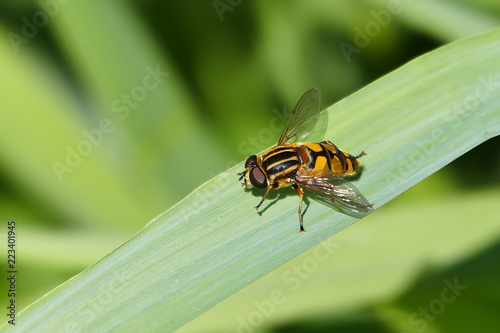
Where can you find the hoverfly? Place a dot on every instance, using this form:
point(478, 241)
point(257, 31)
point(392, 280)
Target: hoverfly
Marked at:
point(319, 167)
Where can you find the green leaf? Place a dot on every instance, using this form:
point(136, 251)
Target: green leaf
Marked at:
point(444, 20)
point(411, 123)
point(365, 268)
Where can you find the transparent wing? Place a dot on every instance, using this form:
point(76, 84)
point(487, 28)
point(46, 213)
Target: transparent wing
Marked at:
point(303, 117)
point(337, 193)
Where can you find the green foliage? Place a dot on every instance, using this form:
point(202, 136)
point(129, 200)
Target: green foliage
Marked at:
point(162, 96)
point(411, 123)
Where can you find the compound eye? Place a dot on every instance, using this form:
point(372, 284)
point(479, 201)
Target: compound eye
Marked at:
point(257, 178)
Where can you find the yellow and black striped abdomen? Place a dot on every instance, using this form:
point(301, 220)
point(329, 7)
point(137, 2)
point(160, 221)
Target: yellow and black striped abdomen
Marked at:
point(327, 157)
point(280, 161)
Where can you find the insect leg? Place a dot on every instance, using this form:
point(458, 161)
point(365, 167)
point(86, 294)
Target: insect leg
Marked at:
point(301, 194)
point(263, 198)
point(361, 154)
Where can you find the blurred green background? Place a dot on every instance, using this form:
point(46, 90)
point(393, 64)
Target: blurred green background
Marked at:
point(111, 112)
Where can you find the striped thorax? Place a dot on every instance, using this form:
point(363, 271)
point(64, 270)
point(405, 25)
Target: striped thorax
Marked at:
point(278, 166)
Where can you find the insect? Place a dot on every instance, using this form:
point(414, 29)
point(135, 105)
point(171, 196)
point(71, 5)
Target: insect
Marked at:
point(319, 167)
